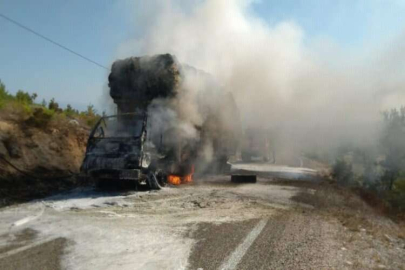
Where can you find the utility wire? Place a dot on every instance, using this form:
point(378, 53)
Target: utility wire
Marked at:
point(51, 41)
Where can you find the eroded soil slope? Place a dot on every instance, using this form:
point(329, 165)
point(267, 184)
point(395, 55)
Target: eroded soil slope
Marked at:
point(47, 153)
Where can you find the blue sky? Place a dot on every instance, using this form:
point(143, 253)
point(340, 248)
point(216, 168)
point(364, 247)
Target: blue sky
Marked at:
point(96, 28)
point(350, 23)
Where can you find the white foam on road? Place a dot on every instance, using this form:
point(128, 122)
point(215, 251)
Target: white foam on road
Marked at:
point(105, 242)
point(151, 233)
point(86, 199)
point(29, 218)
point(108, 241)
point(233, 260)
point(272, 168)
point(127, 246)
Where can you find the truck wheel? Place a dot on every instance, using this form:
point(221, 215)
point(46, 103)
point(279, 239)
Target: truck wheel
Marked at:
point(243, 179)
point(153, 183)
point(102, 184)
point(85, 180)
point(161, 178)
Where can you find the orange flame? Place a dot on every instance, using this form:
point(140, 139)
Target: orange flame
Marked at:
point(177, 179)
point(174, 180)
point(188, 178)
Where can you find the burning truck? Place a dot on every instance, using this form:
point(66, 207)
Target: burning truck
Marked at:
point(171, 121)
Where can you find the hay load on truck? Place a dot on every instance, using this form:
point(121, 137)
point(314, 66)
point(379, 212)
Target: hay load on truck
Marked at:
point(145, 143)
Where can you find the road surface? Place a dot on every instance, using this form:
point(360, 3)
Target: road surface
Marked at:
point(209, 224)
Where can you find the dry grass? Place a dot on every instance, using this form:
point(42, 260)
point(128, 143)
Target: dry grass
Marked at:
point(366, 227)
point(351, 208)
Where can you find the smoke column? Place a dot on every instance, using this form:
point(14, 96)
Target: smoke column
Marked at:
point(314, 96)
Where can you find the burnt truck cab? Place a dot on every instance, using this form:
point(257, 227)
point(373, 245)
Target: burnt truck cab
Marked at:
point(118, 150)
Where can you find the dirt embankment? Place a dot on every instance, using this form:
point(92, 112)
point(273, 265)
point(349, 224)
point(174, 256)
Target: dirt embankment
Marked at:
point(42, 155)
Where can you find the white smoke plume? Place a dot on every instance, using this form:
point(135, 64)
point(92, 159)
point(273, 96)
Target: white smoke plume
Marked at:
point(312, 95)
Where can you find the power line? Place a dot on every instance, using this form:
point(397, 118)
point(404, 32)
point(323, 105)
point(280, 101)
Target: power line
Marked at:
point(51, 41)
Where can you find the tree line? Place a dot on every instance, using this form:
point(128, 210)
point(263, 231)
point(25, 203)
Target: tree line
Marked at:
point(25, 102)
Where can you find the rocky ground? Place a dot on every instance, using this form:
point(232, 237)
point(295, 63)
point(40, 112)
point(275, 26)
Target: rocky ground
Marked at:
point(44, 154)
point(209, 224)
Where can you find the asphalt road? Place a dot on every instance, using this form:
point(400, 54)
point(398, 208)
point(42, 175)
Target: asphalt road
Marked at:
point(285, 241)
point(209, 224)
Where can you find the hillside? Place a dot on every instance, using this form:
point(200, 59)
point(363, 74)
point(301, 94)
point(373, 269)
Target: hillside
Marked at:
point(40, 145)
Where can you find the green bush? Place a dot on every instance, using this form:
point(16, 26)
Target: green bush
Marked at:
point(396, 200)
point(92, 120)
point(4, 95)
point(40, 115)
point(25, 98)
point(40, 118)
point(53, 105)
point(399, 185)
point(70, 112)
point(393, 145)
point(342, 172)
point(22, 101)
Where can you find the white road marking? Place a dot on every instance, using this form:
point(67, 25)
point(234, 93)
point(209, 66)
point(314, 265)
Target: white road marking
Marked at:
point(237, 255)
point(29, 218)
point(24, 248)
